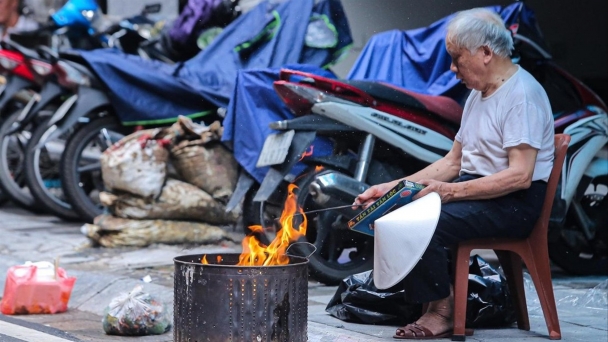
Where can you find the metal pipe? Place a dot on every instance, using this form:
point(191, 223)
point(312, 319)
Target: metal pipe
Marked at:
point(365, 157)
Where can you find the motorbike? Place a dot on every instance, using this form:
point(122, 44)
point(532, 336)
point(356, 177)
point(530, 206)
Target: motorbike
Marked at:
point(20, 76)
point(33, 179)
point(44, 97)
point(382, 132)
point(28, 90)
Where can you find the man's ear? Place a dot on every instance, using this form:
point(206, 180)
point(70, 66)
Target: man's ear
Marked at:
point(487, 54)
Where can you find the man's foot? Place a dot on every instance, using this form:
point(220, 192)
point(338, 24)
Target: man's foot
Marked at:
point(435, 322)
point(430, 325)
point(414, 331)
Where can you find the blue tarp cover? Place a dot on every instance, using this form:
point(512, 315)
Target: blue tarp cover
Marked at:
point(413, 59)
point(270, 35)
point(253, 106)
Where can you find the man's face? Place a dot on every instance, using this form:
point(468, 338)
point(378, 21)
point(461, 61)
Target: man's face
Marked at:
point(468, 67)
point(7, 8)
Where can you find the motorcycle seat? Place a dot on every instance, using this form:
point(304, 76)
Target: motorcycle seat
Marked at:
point(443, 106)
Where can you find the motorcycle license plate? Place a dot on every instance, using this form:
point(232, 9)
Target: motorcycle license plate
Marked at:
point(275, 148)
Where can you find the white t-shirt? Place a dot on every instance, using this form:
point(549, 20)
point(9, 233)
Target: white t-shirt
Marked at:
point(516, 113)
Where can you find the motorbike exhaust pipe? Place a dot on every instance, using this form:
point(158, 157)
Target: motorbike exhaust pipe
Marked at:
point(334, 189)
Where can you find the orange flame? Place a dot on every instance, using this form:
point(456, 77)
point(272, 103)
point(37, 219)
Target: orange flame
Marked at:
point(318, 168)
point(256, 253)
point(204, 260)
point(308, 152)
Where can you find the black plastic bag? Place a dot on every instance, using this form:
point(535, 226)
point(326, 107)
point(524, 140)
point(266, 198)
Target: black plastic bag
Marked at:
point(358, 300)
point(489, 302)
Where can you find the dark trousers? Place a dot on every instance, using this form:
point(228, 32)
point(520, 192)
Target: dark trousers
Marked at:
point(510, 216)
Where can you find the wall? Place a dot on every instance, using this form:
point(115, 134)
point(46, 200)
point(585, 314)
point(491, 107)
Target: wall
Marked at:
point(576, 31)
point(126, 8)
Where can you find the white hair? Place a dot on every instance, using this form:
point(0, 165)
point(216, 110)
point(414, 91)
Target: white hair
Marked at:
point(474, 28)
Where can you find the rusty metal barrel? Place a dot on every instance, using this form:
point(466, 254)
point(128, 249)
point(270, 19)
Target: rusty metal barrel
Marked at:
point(224, 302)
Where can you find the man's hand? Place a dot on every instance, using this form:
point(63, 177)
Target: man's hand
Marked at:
point(372, 194)
point(445, 190)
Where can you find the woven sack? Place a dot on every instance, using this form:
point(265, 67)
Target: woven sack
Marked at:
point(177, 201)
point(207, 164)
point(136, 164)
point(110, 231)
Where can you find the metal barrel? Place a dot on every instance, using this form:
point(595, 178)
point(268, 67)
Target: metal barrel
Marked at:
point(223, 302)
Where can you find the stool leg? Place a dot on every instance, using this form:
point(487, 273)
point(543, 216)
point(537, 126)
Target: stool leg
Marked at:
point(461, 283)
point(512, 266)
point(540, 270)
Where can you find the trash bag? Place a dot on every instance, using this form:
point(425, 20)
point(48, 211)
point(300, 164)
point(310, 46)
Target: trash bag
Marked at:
point(136, 314)
point(489, 302)
point(358, 300)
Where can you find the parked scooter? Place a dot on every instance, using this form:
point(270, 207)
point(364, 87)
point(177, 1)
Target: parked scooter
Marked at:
point(43, 185)
point(16, 127)
point(382, 132)
point(20, 76)
point(73, 25)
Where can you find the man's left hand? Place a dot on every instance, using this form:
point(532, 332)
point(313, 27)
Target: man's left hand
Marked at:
point(445, 190)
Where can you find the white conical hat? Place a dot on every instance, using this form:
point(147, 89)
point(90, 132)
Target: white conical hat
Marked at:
point(401, 237)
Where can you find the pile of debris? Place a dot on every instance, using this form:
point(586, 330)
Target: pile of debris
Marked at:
point(166, 185)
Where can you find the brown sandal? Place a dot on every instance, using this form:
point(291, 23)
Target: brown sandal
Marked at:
point(415, 331)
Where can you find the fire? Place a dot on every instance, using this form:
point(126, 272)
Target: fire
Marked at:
point(308, 152)
point(256, 253)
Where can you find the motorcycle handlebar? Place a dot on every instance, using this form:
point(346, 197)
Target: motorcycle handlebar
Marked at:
point(48, 53)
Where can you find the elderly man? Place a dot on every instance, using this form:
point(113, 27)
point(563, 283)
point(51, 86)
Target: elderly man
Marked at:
point(493, 180)
point(11, 19)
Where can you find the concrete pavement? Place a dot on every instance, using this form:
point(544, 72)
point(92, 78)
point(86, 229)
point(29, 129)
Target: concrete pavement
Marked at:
point(103, 273)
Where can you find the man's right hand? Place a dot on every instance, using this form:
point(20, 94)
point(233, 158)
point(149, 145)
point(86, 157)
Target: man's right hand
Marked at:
point(370, 195)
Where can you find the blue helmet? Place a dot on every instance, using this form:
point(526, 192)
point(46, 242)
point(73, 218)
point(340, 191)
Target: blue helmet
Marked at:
point(76, 13)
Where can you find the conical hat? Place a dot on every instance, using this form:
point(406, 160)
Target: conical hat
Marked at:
point(401, 237)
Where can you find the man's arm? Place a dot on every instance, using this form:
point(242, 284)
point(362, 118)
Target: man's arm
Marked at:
point(444, 169)
point(517, 176)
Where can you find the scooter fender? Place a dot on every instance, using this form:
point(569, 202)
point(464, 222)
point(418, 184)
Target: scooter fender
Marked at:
point(14, 85)
point(243, 184)
point(49, 93)
point(72, 110)
point(589, 136)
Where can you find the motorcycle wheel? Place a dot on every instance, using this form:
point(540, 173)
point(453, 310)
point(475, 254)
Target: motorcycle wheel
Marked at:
point(42, 172)
point(80, 175)
point(339, 251)
point(12, 155)
point(571, 250)
point(12, 158)
point(10, 109)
